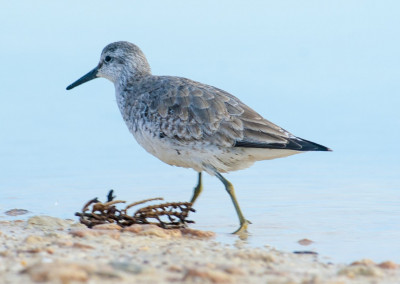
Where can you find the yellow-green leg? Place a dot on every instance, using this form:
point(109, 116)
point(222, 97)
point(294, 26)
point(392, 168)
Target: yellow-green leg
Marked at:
point(231, 191)
point(197, 190)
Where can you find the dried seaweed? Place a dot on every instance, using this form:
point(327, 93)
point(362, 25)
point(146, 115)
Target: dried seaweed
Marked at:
point(171, 215)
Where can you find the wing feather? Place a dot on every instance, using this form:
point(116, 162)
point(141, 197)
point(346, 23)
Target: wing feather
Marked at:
point(191, 111)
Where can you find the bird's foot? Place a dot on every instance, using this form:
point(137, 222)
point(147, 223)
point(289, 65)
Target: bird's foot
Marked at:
point(243, 227)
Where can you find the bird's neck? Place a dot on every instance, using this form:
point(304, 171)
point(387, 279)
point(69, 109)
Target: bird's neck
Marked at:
point(127, 80)
point(126, 86)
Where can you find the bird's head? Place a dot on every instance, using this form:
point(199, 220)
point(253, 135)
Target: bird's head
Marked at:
point(118, 62)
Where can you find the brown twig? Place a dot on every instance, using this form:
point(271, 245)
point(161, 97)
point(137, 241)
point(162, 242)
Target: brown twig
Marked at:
point(142, 201)
point(166, 215)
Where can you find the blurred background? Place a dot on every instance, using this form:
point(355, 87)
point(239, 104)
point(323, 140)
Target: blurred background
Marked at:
point(327, 72)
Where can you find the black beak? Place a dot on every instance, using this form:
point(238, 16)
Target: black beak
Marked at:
point(89, 76)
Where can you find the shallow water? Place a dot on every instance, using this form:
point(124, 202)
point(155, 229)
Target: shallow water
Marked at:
point(328, 72)
point(286, 200)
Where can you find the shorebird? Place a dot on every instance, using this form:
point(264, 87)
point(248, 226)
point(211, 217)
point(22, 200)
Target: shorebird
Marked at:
point(190, 124)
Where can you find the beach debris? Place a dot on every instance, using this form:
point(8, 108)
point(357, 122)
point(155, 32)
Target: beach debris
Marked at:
point(309, 252)
point(171, 215)
point(16, 212)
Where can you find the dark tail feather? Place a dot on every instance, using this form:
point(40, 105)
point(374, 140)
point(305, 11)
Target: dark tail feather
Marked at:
point(296, 144)
point(310, 146)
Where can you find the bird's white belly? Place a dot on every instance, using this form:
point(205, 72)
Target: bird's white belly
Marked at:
point(168, 151)
point(202, 156)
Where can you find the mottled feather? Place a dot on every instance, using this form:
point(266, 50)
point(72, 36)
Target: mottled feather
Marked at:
point(192, 111)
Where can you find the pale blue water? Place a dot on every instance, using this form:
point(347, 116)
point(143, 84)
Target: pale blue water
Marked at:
point(326, 72)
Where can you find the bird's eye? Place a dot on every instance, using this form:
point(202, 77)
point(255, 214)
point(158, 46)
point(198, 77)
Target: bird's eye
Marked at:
point(107, 58)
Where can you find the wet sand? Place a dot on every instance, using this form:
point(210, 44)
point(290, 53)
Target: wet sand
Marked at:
point(52, 250)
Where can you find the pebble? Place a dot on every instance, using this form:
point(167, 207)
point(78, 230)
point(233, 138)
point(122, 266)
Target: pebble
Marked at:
point(82, 246)
point(305, 242)
point(365, 262)
point(107, 227)
point(353, 271)
point(34, 239)
point(152, 230)
point(48, 222)
point(127, 266)
point(88, 233)
point(388, 265)
point(58, 272)
point(207, 275)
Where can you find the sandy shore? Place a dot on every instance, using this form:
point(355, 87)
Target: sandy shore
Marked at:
point(48, 249)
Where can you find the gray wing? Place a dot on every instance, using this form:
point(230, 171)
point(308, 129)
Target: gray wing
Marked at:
point(186, 111)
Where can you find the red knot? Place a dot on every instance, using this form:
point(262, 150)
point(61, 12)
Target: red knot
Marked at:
point(188, 124)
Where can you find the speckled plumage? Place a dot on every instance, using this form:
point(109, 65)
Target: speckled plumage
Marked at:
point(187, 123)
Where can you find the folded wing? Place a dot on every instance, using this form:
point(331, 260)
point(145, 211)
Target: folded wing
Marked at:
point(191, 112)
